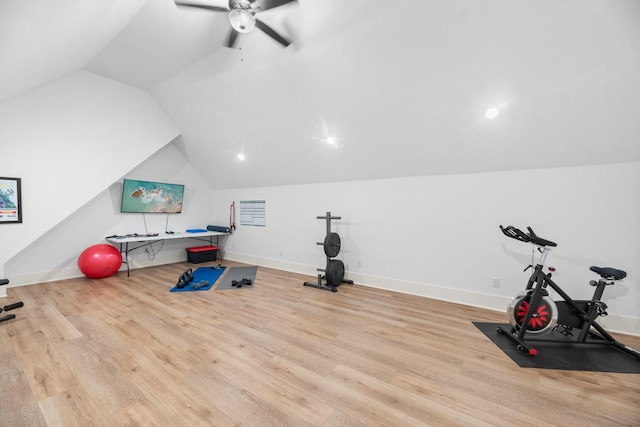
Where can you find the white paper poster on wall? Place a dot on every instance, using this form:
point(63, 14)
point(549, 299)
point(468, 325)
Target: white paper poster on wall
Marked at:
point(252, 213)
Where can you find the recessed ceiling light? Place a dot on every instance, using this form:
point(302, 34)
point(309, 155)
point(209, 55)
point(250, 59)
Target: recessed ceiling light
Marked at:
point(331, 140)
point(491, 113)
point(241, 156)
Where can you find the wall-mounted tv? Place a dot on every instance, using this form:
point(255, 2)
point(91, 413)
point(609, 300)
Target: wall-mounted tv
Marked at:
point(151, 197)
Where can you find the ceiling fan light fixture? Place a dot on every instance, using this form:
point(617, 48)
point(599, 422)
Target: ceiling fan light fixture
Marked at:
point(242, 20)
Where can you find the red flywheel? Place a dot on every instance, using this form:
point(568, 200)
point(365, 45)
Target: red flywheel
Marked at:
point(543, 319)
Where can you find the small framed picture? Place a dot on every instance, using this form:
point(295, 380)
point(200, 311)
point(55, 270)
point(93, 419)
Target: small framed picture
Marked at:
point(10, 201)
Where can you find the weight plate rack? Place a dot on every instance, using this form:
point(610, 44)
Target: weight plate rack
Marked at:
point(334, 270)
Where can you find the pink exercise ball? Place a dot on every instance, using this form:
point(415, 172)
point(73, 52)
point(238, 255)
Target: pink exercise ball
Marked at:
point(99, 261)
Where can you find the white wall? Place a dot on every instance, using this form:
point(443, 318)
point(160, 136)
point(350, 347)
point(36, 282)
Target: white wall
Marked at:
point(438, 236)
point(434, 235)
point(69, 141)
point(54, 255)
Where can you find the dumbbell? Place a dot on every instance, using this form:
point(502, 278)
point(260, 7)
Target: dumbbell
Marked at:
point(185, 279)
point(241, 283)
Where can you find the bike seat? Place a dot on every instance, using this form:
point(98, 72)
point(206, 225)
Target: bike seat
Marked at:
point(609, 273)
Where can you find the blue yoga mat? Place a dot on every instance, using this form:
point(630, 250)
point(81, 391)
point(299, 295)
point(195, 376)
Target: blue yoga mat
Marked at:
point(209, 274)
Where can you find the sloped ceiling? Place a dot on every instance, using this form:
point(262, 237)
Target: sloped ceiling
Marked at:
point(400, 87)
point(41, 40)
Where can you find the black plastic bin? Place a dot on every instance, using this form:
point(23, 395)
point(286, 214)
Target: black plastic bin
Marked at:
point(199, 254)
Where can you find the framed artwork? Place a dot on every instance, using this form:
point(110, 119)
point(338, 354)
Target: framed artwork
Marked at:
point(10, 201)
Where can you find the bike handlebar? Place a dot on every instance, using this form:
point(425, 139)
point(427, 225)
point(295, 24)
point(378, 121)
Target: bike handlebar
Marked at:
point(515, 233)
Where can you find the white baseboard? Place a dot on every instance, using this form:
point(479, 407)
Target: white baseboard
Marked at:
point(140, 261)
point(272, 263)
point(43, 277)
point(620, 324)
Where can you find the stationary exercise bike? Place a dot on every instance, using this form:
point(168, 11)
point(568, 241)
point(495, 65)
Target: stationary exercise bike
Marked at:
point(532, 313)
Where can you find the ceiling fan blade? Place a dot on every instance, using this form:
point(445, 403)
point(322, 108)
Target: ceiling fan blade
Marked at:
point(231, 38)
point(271, 33)
point(203, 6)
point(270, 4)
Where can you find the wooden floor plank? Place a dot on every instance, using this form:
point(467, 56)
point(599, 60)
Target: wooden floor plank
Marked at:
point(124, 351)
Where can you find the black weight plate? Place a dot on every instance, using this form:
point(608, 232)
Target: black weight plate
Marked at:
point(334, 273)
point(332, 245)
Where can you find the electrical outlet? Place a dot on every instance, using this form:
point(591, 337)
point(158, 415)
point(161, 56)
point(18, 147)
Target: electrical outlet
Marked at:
point(495, 282)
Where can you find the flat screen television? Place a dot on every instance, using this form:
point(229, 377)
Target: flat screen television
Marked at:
point(151, 197)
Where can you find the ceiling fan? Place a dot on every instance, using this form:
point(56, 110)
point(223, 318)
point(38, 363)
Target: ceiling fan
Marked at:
point(242, 16)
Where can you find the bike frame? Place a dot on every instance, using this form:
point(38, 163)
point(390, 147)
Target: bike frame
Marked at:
point(539, 281)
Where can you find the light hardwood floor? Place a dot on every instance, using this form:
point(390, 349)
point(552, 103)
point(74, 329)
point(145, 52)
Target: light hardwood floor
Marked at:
point(126, 352)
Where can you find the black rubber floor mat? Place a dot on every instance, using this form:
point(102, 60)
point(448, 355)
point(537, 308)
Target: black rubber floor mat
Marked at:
point(561, 354)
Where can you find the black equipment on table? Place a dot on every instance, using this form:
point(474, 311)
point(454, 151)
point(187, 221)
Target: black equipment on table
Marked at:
point(334, 271)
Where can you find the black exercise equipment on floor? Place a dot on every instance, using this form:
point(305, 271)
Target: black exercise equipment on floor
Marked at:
point(334, 271)
point(532, 313)
point(10, 306)
point(241, 283)
point(243, 276)
point(200, 279)
point(184, 279)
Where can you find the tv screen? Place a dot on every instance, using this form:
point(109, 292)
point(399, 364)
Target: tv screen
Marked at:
point(151, 197)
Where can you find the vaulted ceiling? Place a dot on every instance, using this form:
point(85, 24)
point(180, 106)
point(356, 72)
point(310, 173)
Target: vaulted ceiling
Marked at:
point(368, 89)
